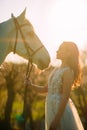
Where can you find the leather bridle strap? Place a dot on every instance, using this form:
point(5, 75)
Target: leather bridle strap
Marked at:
point(18, 28)
point(29, 68)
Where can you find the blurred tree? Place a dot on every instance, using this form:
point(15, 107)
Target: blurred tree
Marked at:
point(12, 88)
point(79, 96)
point(84, 57)
point(13, 76)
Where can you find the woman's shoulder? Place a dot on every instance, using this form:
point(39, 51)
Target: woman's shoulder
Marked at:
point(68, 73)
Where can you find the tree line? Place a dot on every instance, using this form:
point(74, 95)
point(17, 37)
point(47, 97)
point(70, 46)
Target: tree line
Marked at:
point(13, 114)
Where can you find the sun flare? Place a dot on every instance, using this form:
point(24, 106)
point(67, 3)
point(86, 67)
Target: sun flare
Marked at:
point(54, 21)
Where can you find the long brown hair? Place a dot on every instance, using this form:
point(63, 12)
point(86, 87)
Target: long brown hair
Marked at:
point(73, 60)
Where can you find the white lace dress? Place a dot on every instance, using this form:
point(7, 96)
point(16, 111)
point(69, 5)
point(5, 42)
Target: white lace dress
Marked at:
point(70, 119)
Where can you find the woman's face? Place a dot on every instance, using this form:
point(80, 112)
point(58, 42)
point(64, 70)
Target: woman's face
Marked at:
point(62, 53)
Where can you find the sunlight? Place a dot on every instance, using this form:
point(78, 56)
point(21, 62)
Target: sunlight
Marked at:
point(15, 58)
point(54, 21)
point(67, 18)
point(63, 20)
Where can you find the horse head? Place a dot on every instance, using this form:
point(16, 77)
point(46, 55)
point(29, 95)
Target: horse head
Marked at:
point(18, 33)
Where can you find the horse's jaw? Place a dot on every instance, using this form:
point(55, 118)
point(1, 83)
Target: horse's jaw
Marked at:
point(42, 59)
point(43, 64)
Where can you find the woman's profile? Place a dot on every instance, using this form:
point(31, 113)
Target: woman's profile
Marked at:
point(60, 112)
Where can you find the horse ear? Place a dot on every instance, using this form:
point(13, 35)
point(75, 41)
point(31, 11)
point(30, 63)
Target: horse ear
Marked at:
point(23, 13)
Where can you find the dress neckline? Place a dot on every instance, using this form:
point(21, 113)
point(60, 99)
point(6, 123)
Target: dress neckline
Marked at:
point(64, 67)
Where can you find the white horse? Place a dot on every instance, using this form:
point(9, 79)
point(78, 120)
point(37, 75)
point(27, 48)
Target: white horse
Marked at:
point(17, 34)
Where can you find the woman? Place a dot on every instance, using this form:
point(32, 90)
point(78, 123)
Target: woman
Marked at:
point(60, 112)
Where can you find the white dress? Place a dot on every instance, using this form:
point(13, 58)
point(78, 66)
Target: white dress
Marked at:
point(70, 119)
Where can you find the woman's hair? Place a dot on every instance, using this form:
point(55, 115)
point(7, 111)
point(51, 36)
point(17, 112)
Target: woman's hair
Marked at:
point(72, 60)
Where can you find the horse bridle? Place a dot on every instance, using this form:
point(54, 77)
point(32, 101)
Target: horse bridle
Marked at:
point(18, 28)
point(29, 68)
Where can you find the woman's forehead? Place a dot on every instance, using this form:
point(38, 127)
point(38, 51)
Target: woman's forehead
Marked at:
point(63, 46)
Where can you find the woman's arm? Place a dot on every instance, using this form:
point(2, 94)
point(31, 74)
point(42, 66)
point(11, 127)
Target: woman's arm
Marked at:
point(37, 88)
point(67, 84)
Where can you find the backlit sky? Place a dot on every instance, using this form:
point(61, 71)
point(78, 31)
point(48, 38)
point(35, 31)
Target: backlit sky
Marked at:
point(54, 21)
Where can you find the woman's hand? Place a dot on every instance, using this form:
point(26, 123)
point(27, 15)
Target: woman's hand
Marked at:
point(27, 82)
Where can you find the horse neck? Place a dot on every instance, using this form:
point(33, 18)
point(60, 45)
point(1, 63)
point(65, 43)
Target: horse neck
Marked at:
point(5, 28)
point(5, 35)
